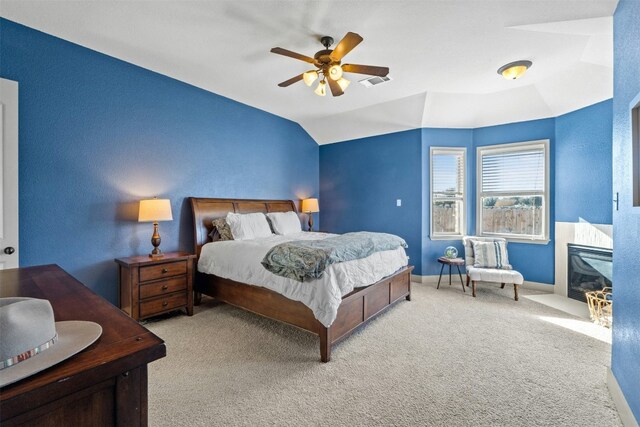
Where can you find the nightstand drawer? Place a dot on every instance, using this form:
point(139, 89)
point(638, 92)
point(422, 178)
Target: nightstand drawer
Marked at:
point(160, 271)
point(164, 287)
point(158, 305)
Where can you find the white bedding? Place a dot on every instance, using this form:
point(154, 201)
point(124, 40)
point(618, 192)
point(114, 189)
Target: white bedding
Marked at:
point(240, 261)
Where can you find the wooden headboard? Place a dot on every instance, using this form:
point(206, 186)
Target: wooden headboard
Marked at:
point(204, 210)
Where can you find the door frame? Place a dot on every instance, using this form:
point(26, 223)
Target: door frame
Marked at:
point(9, 178)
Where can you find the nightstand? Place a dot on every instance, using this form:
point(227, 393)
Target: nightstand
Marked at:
point(149, 287)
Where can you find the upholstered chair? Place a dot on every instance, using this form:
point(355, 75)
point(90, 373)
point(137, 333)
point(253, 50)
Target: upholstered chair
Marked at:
point(496, 275)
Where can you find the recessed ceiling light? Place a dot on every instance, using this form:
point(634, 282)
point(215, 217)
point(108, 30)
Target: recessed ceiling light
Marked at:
point(514, 70)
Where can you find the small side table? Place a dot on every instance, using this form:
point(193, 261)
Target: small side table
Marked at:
point(451, 261)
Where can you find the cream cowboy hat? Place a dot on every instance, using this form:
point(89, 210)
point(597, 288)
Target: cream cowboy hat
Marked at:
point(32, 341)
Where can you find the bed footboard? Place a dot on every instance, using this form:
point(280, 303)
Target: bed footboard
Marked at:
point(362, 305)
point(356, 309)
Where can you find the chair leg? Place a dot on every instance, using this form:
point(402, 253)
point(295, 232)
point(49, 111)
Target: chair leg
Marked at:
point(468, 278)
point(473, 288)
point(515, 291)
point(502, 287)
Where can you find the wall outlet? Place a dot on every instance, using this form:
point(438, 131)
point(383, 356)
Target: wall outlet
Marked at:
point(399, 202)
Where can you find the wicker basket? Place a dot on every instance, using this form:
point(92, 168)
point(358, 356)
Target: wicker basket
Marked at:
point(600, 306)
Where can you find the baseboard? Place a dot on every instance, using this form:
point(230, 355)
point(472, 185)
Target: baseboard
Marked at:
point(537, 286)
point(628, 420)
point(429, 279)
point(542, 287)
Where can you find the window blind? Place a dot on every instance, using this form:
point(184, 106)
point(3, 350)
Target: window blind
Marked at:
point(447, 174)
point(514, 172)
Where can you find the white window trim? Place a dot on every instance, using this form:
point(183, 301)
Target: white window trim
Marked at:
point(506, 148)
point(463, 226)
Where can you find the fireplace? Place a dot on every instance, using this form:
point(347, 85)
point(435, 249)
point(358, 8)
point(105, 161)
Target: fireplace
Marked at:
point(590, 269)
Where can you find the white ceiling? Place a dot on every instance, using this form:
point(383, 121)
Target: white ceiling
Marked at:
point(443, 54)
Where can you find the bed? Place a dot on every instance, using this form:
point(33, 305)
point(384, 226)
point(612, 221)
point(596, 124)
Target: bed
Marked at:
point(355, 310)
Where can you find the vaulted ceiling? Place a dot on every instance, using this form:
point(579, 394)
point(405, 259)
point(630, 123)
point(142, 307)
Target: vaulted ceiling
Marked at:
point(443, 54)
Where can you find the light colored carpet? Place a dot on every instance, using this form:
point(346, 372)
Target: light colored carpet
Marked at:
point(443, 358)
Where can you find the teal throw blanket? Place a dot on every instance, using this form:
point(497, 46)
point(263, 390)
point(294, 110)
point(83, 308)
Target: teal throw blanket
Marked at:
point(307, 259)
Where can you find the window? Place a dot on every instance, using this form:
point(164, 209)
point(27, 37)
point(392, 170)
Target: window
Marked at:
point(448, 183)
point(513, 191)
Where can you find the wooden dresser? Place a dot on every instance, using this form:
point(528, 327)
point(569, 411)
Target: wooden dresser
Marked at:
point(149, 287)
point(106, 384)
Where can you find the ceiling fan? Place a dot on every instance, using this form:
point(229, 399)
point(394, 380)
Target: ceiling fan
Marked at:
point(328, 64)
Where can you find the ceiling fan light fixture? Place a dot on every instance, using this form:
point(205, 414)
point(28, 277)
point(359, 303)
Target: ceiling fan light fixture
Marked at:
point(514, 70)
point(321, 90)
point(335, 72)
point(309, 77)
point(328, 69)
point(343, 83)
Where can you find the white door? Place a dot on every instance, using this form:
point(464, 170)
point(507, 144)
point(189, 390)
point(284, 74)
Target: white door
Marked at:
point(8, 174)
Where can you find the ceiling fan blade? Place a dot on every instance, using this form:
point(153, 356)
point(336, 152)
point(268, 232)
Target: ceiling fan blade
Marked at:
point(285, 52)
point(336, 90)
point(291, 81)
point(366, 69)
point(345, 46)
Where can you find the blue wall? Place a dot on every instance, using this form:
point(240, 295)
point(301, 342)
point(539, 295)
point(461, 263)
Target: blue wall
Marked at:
point(625, 354)
point(583, 164)
point(432, 249)
point(580, 143)
point(97, 134)
point(536, 262)
point(363, 178)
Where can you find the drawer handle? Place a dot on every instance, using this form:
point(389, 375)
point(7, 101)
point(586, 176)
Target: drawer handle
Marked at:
point(165, 303)
point(164, 270)
point(165, 287)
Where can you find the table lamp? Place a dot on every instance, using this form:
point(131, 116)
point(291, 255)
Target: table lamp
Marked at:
point(154, 210)
point(309, 206)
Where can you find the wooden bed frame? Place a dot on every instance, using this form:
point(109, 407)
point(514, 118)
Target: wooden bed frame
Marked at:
point(356, 309)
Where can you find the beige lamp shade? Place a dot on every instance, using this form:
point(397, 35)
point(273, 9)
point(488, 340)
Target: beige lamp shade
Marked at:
point(310, 205)
point(152, 210)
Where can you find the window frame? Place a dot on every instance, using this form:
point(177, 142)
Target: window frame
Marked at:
point(546, 196)
point(463, 219)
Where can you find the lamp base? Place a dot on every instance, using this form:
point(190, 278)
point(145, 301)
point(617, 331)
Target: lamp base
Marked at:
point(156, 253)
point(310, 221)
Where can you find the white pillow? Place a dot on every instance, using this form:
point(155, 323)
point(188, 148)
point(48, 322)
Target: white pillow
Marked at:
point(284, 223)
point(248, 226)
